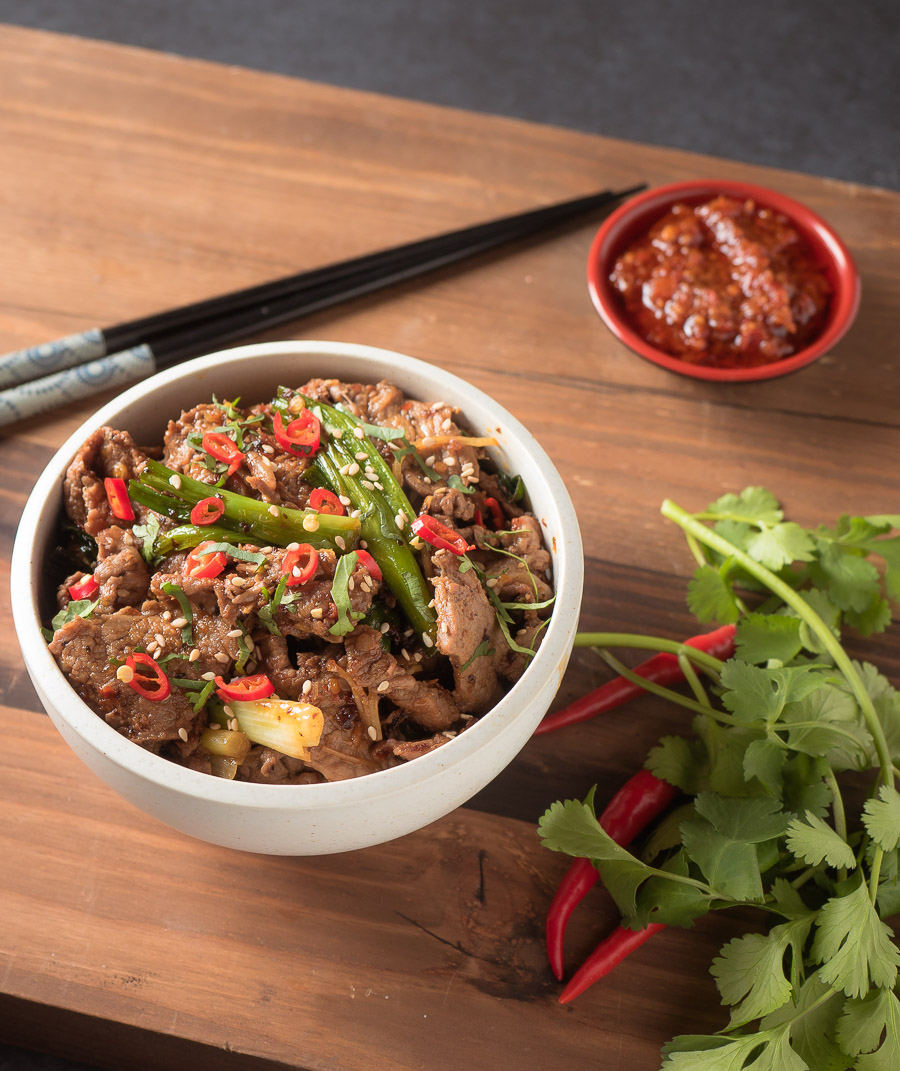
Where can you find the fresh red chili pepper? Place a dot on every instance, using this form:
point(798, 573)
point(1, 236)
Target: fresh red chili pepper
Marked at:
point(207, 510)
point(607, 955)
point(439, 534)
point(641, 799)
point(84, 588)
point(662, 668)
point(117, 496)
point(479, 520)
point(499, 517)
point(325, 501)
point(302, 435)
point(256, 686)
point(148, 680)
point(366, 560)
point(300, 564)
point(223, 448)
point(200, 566)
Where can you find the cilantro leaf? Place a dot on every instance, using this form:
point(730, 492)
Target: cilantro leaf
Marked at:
point(780, 545)
point(147, 533)
point(853, 945)
point(680, 762)
point(73, 609)
point(851, 581)
point(811, 1020)
point(871, 1026)
point(710, 597)
point(750, 820)
point(340, 593)
point(571, 827)
point(814, 841)
point(749, 971)
point(765, 760)
point(764, 637)
point(674, 903)
point(828, 723)
point(456, 483)
point(881, 818)
point(754, 504)
point(771, 1048)
point(889, 551)
point(731, 867)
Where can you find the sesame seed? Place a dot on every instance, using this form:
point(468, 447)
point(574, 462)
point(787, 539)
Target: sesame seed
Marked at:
point(234, 725)
point(368, 484)
point(417, 657)
point(182, 732)
point(344, 470)
point(208, 675)
point(151, 647)
point(296, 571)
point(378, 485)
point(125, 674)
point(373, 735)
point(427, 640)
point(274, 511)
point(383, 687)
point(355, 513)
point(350, 584)
point(359, 433)
point(385, 627)
point(339, 543)
point(408, 633)
point(220, 656)
point(492, 581)
point(317, 613)
point(266, 550)
point(194, 655)
point(344, 501)
point(338, 433)
point(175, 480)
point(446, 424)
point(167, 615)
point(307, 687)
point(429, 460)
point(310, 524)
point(431, 604)
point(268, 449)
point(293, 546)
point(160, 639)
point(449, 460)
point(361, 455)
point(400, 520)
point(352, 468)
point(449, 733)
point(405, 654)
point(364, 544)
point(214, 725)
point(235, 632)
point(229, 711)
point(239, 581)
point(179, 622)
point(474, 479)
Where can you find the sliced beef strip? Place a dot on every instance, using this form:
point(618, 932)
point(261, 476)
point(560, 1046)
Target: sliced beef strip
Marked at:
point(377, 670)
point(121, 571)
point(466, 619)
point(88, 649)
point(266, 766)
point(525, 540)
point(106, 453)
point(410, 749)
point(449, 504)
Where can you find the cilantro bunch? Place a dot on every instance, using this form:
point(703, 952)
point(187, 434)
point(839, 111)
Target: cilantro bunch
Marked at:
point(767, 818)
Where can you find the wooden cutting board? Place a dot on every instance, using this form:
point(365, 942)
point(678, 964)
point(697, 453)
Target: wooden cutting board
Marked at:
point(133, 182)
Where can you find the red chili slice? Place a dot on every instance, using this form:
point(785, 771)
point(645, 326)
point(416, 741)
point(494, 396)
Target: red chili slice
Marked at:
point(117, 496)
point(325, 501)
point(200, 566)
point(149, 680)
point(497, 513)
point(218, 445)
point(207, 511)
point(84, 588)
point(302, 435)
point(256, 686)
point(366, 560)
point(300, 564)
point(439, 535)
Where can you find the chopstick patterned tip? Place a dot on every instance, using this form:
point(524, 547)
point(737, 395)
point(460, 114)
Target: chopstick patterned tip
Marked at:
point(36, 361)
point(74, 383)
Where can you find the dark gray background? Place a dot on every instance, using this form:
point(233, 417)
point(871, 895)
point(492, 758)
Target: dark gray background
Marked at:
point(810, 85)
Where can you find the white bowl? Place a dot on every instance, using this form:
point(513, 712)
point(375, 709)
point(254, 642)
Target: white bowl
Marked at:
point(302, 819)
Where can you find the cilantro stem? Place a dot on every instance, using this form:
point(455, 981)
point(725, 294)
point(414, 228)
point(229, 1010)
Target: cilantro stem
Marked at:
point(648, 643)
point(663, 692)
point(690, 675)
point(840, 815)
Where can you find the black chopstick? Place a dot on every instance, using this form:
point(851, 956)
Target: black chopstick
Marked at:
point(80, 366)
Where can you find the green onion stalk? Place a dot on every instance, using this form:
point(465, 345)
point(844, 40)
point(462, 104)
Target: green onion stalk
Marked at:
point(386, 542)
point(245, 519)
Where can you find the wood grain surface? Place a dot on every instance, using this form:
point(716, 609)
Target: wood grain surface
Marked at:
point(132, 182)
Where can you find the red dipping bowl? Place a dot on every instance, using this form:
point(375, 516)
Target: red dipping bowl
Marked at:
point(634, 218)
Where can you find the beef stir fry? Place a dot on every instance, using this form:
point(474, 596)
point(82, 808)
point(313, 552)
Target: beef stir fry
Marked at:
point(319, 587)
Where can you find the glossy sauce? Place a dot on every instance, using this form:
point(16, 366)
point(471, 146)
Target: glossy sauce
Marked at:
point(725, 283)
